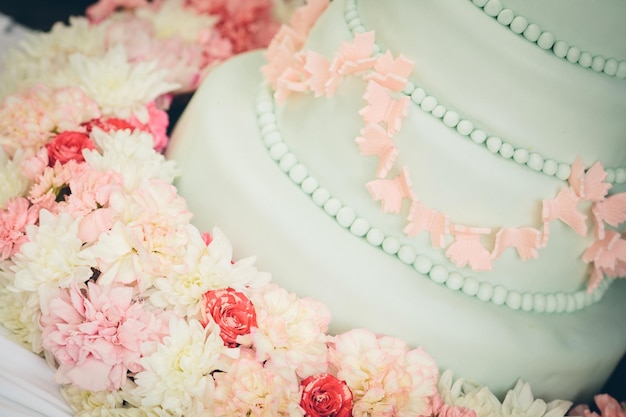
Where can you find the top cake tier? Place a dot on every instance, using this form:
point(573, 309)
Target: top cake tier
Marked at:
point(502, 99)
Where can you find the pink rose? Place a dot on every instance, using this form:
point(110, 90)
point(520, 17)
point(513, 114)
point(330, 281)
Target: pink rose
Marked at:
point(232, 311)
point(324, 395)
point(68, 146)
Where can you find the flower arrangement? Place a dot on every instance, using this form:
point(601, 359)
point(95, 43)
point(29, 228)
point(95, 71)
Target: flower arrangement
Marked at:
point(139, 312)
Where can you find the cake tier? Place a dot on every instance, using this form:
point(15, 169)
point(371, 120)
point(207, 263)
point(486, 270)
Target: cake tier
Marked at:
point(526, 117)
point(230, 180)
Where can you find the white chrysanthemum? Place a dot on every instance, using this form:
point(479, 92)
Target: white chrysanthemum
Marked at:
point(203, 269)
point(53, 257)
point(468, 394)
point(149, 237)
point(121, 88)
point(117, 258)
point(173, 19)
point(519, 402)
point(182, 290)
point(218, 267)
point(132, 155)
point(19, 312)
point(42, 57)
point(13, 182)
point(107, 403)
point(177, 374)
point(291, 331)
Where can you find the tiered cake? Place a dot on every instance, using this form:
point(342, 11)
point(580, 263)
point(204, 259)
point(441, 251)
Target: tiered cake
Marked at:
point(444, 171)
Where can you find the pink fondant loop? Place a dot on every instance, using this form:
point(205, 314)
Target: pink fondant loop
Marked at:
point(386, 76)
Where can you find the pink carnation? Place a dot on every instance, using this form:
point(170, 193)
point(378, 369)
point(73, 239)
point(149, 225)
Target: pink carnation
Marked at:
point(13, 222)
point(247, 24)
point(607, 406)
point(30, 119)
point(96, 333)
point(441, 409)
point(158, 120)
point(53, 181)
point(385, 376)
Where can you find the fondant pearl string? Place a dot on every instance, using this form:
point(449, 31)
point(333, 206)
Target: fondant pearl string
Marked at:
point(360, 227)
point(547, 40)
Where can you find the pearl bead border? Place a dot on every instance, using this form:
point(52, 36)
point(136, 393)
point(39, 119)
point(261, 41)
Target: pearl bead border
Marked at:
point(547, 40)
point(347, 218)
point(466, 128)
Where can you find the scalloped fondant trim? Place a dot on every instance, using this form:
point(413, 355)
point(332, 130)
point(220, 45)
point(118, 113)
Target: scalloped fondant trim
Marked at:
point(466, 128)
point(347, 218)
point(548, 42)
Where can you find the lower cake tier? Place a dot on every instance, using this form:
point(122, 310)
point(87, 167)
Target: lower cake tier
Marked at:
point(230, 181)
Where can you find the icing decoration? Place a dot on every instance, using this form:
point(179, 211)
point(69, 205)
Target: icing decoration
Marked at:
point(548, 42)
point(611, 211)
point(422, 218)
point(608, 256)
point(391, 73)
point(355, 57)
point(466, 128)
point(352, 58)
point(303, 17)
point(588, 185)
point(374, 140)
point(319, 68)
point(563, 207)
point(467, 248)
point(347, 218)
point(382, 109)
point(525, 240)
point(391, 192)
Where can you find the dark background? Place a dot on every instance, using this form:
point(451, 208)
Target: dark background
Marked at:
point(42, 14)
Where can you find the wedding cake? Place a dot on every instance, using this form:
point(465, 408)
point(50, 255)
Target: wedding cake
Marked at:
point(449, 172)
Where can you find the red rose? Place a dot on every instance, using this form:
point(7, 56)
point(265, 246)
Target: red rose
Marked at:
point(109, 124)
point(323, 395)
point(68, 146)
point(232, 311)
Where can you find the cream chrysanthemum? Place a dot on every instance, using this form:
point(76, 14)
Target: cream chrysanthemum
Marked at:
point(13, 182)
point(54, 256)
point(177, 373)
point(173, 19)
point(132, 155)
point(43, 57)
point(20, 312)
point(121, 88)
point(519, 401)
point(119, 403)
point(156, 220)
point(204, 268)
